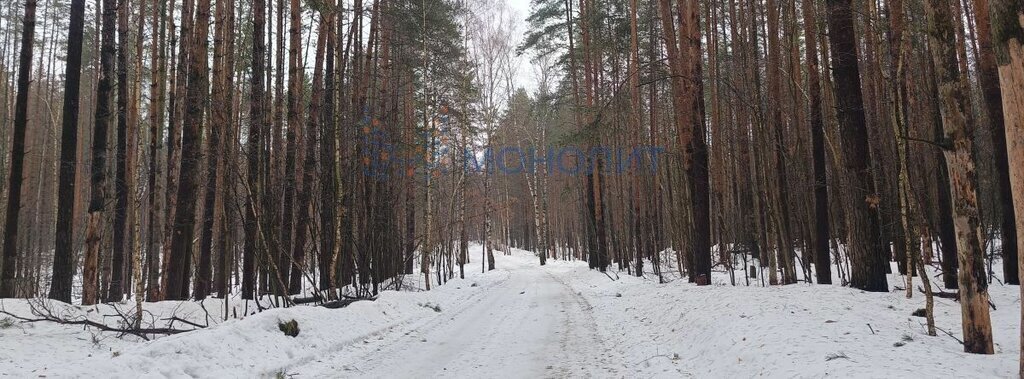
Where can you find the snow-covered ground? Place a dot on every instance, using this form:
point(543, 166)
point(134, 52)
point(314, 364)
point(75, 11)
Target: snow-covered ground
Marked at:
point(800, 330)
point(524, 320)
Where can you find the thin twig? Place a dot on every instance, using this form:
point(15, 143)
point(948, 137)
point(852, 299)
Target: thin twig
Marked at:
point(950, 334)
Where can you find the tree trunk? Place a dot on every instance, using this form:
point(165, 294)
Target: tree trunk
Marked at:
point(63, 256)
point(156, 114)
point(291, 140)
point(98, 176)
point(947, 233)
point(1008, 42)
point(867, 255)
point(696, 157)
point(219, 124)
point(328, 162)
point(227, 182)
point(308, 165)
point(992, 99)
point(177, 287)
point(779, 199)
point(10, 253)
point(178, 89)
point(115, 288)
point(634, 120)
point(428, 221)
point(977, 328)
point(255, 156)
point(688, 106)
point(822, 262)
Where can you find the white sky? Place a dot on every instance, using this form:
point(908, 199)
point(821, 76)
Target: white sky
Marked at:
point(526, 76)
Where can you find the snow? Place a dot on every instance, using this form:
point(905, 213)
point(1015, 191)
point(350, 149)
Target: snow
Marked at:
point(525, 320)
point(527, 324)
point(801, 330)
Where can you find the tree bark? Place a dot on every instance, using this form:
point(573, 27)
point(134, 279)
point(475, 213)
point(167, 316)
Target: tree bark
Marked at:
point(63, 261)
point(196, 92)
point(98, 176)
point(328, 162)
point(115, 288)
point(695, 158)
point(688, 107)
point(308, 165)
point(156, 121)
point(291, 140)
point(1007, 18)
point(867, 255)
point(220, 97)
point(822, 262)
point(977, 328)
point(992, 99)
point(10, 253)
point(255, 152)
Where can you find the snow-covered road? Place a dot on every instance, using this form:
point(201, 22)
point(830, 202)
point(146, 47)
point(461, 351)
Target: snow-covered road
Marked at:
point(524, 320)
point(528, 324)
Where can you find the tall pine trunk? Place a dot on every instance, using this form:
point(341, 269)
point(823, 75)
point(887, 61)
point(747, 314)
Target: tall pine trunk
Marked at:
point(822, 262)
point(156, 121)
point(977, 327)
point(328, 147)
point(1008, 43)
point(220, 97)
point(10, 253)
point(63, 256)
point(992, 100)
point(98, 176)
point(286, 261)
point(183, 230)
point(305, 195)
point(255, 153)
point(115, 288)
point(867, 255)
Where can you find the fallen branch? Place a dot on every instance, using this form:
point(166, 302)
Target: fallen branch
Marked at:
point(43, 313)
point(342, 303)
point(184, 321)
point(955, 296)
point(307, 300)
point(950, 335)
point(138, 332)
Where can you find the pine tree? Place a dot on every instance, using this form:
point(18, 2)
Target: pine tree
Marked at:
point(156, 120)
point(992, 101)
point(977, 328)
point(221, 97)
point(178, 271)
point(867, 255)
point(63, 262)
point(822, 261)
point(255, 154)
point(115, 288)
point(295, 79)
point(98, 176)
point(1008, 44)
point(305, 194)
point(10, 250)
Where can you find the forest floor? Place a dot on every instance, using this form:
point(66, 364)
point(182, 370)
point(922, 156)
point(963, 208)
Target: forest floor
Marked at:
point(526, 320)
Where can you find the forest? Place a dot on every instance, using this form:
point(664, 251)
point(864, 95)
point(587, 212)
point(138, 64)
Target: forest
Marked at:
point(318, 153)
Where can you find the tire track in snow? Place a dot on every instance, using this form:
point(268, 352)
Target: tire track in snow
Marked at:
point(529, 325)
point(404, 327)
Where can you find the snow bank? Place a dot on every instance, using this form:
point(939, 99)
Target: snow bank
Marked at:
point(655, 330)
point(800, 330)
point(252, 346)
